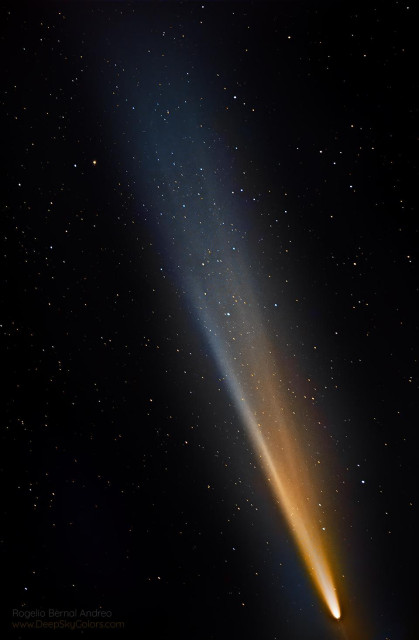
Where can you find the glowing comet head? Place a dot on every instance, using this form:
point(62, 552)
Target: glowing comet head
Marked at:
point(320, 573)
point(322, 578)
point(334, 607)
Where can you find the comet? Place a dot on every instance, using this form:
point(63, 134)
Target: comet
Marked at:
point(210, 252)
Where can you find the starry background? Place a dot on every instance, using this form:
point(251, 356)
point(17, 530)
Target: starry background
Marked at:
point(129, 483)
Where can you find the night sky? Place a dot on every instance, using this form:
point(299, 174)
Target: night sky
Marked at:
point(209, 209)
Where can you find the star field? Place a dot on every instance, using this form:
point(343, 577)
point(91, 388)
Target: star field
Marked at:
point(209, 206)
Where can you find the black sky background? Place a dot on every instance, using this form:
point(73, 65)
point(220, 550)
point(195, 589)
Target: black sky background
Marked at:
point(123, 459)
